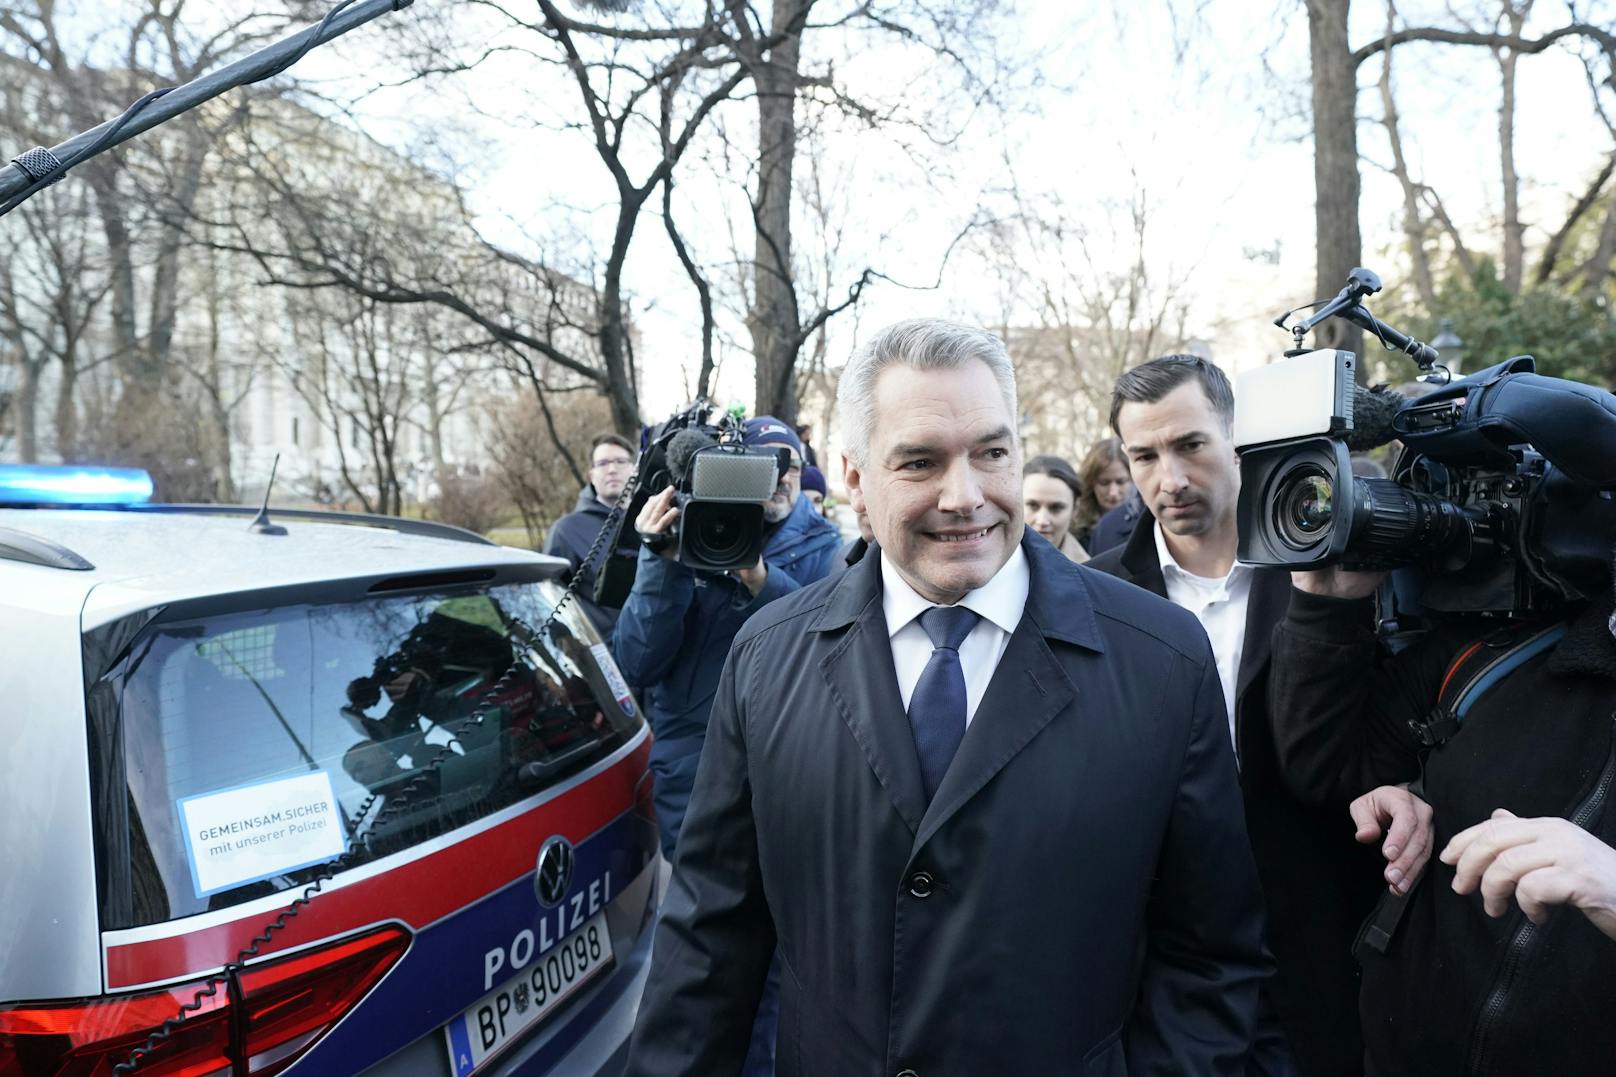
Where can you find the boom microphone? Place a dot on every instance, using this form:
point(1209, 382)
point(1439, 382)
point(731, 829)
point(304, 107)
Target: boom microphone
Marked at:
point(682, 447)
point(1372, 414)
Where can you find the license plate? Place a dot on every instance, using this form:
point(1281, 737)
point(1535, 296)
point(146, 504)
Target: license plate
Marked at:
point(503, 1015)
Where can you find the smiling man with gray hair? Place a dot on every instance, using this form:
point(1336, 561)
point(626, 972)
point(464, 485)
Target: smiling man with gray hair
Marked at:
point(980, 798)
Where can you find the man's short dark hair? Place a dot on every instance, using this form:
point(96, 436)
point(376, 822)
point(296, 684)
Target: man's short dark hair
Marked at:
point(1155, 378)
point(610, 439)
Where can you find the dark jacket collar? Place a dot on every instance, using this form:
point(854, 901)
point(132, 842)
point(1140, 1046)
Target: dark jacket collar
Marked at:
point(804, 527)
point(589, 503)
point(1058, 600)
point(1140, 563)
point(1588, 648)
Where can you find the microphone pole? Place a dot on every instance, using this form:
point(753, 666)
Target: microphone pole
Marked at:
point(38, 168)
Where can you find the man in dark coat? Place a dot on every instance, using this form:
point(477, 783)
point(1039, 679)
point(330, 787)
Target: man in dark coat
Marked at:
point(1520, 977)
point(1174, 417)
point(1040, 868)
point(611, 463)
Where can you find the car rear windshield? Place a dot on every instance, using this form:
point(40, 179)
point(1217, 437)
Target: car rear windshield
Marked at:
point(254, 744)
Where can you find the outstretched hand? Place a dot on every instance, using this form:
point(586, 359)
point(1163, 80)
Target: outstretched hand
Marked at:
point(1406, 821)
point(1538, 862)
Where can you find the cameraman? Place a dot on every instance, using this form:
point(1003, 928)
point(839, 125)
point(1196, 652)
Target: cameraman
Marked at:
point(677, 624)
point(1465, 981)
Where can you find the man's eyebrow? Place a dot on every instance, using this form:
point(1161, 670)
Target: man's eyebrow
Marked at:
point(920, 448)
point(1001, 434)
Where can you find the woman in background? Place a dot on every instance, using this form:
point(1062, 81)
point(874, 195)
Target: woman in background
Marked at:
point(1050, 489)
point(1106, 484)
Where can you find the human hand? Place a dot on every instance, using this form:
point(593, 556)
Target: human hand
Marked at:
point(657, 518)
point(754, 577)
point(1540, 862)
point(1407, 822)
point(1334, 582)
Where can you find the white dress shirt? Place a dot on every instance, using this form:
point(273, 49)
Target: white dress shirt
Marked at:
point(999, 603)
point(1220, 605)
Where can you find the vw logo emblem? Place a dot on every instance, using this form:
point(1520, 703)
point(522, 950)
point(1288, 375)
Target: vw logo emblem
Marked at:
point(554, 875)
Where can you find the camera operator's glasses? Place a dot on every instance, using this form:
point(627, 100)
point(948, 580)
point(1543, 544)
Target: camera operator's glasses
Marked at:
point(795, 465)
point(613, 462)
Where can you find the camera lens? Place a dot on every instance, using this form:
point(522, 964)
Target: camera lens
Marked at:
point(720, 537)
point(1305, 507)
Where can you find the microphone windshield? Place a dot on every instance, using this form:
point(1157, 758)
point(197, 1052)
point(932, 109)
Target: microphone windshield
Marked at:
point(684, 445)
point(1372, 414)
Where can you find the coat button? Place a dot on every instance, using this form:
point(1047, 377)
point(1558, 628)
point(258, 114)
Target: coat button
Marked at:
point(907, 1073)
point(921, 885)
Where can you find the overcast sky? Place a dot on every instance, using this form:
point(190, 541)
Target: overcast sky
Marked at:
point(1206, 113)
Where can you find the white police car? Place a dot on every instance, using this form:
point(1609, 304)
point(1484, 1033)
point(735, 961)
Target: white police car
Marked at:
point(202, 719)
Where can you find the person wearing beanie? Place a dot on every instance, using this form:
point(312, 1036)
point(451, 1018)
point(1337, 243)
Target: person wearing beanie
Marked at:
point(813, 487)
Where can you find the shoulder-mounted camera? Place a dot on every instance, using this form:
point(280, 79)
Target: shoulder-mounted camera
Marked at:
point(1501, 494)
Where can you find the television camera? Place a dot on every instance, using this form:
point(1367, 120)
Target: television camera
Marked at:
point(720, 486)
point(1500, 498)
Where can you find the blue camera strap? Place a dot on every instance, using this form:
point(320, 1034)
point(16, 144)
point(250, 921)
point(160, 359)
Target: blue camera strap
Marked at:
point(1473, 673)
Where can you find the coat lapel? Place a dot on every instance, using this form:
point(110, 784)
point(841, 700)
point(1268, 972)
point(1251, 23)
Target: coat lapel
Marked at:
point(1139, 562)
point(1270, 594)
point(1028, 688)
point(862, 681)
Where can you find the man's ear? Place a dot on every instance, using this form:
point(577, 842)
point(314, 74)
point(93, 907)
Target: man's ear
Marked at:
point(853, 479)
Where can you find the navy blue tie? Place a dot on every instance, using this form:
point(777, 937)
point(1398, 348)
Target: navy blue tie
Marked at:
point(937, 707)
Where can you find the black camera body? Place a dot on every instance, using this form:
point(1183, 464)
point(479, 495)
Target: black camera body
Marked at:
point(1501, 497)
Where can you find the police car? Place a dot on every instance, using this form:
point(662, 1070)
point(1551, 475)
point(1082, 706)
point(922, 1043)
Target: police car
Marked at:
point(208, 720)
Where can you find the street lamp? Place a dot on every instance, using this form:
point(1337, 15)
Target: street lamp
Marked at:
point(1452, 348)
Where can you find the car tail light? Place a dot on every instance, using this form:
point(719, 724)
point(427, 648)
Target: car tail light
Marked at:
point(287, 1005)
point(91, 1037)
point(284, 1007)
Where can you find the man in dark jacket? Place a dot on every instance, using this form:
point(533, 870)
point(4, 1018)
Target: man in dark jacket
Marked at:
point(980, 798)
point(677, 625)
point(1174, 417)
point(1467, 982)
point(611, 464)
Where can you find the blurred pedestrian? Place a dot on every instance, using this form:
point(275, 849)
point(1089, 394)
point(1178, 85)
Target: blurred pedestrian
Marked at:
point(805, 434)
point(813, 487)
point(1049, 492)
point(1106, 484)
point(611, 464)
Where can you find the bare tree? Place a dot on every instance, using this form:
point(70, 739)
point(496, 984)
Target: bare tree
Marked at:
point(1078, 304)
point(1334, 81)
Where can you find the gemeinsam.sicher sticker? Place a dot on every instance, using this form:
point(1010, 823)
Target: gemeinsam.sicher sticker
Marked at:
point(252, 832)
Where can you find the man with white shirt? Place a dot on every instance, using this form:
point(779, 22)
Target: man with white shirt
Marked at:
point(981, 799)
point(1174, 416)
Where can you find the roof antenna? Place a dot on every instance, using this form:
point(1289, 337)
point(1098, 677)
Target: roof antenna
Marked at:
point(260, 523)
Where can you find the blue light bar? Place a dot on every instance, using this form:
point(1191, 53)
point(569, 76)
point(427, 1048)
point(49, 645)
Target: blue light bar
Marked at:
point(36, 484)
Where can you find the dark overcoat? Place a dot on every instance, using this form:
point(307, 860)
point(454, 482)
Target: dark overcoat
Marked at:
point(1078, 898)
point(1318, 883)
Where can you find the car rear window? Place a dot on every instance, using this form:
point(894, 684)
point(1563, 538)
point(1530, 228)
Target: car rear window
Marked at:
point(255, 743)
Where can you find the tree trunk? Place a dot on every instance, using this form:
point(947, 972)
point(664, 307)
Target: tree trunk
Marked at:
point(67, 415)
point(1413, 225)
point(1335, 163)
point(26, 407)
point(1514, 251)
point(774, 320)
